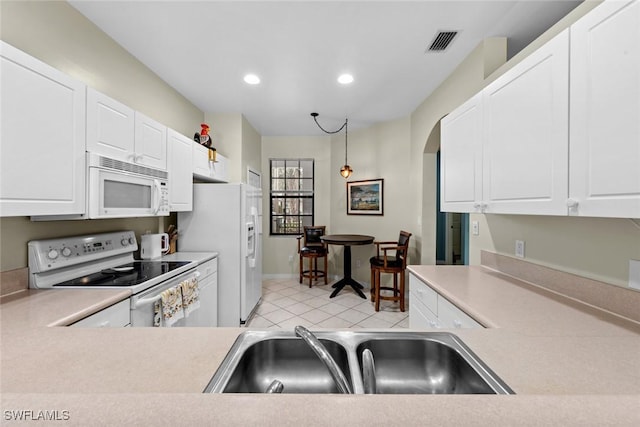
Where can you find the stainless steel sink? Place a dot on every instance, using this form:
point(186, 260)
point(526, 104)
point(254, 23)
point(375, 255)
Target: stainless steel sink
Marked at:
point(405, 363)
point(423, 366)
point(288, 360)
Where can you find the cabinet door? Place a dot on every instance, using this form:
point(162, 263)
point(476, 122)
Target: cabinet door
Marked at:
point(201, 161)
point(219, 169)
point(150, 142)
point(526, 125)
point(110, 127)
point(116, 316)
point(605, 112)
point(180, 172)
point(42, 129)
point(461, 158)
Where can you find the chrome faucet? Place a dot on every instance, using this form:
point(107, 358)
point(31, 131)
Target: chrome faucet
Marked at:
point(275, 387)
point(368, 372)
point(322, 353)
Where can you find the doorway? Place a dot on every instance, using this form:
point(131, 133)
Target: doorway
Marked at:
point(452, 231)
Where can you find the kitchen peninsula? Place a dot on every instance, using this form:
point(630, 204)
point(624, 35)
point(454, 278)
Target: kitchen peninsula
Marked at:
point(556, 353)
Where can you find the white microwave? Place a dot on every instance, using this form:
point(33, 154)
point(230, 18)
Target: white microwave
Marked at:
point(118, 189)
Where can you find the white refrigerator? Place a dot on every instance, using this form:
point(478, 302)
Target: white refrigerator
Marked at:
point(227, 218)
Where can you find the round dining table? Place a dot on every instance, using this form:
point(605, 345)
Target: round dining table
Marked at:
point(347, 240)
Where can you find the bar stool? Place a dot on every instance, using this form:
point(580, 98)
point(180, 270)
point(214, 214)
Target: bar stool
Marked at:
point(390, 264)
point(312, 248)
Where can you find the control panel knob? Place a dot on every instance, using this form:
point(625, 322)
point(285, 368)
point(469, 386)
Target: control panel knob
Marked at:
point(66, 252)
point(132, 240)
point(52, 254)
point(124, 242)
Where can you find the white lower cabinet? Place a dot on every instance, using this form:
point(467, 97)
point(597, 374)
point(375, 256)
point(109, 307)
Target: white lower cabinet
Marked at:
point(430, 310)
point(207, 314)
point(115, 316)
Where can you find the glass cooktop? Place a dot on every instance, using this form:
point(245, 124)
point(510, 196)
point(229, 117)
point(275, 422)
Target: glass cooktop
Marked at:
point(126, 275)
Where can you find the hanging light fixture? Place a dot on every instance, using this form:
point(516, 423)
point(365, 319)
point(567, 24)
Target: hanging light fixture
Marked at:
point(345, 170)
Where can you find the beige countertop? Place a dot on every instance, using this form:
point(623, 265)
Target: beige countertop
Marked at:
point(570, 364)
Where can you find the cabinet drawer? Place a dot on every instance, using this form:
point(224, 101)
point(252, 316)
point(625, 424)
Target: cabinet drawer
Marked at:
point(424, 294)
point(451, 316)
point(116, 316)
point(420, 317)
point(208, 268)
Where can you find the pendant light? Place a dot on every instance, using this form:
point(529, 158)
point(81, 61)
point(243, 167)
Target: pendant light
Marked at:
point(345, 170)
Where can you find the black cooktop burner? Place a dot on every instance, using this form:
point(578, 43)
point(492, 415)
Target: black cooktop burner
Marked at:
point(127, 274)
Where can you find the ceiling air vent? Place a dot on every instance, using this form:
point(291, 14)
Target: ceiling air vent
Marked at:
point(441, 41)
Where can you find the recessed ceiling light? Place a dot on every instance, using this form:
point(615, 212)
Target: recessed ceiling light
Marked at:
point(345, 79)
point(251, 79)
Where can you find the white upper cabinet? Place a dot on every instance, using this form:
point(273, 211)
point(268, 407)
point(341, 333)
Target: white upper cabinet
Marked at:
point(117, 131)
point(526, 134)
point(207, 169)
point(605, 112)
point(150, 142)
point(110, 127)
point(42, 136)
point(461, 158)
point(180, 172)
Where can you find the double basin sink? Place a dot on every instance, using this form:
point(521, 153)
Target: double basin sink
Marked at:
point(405, 363)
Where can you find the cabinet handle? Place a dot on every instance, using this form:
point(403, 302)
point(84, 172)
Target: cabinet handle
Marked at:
point(104, 324)
point(457, 324)
point(572, 203)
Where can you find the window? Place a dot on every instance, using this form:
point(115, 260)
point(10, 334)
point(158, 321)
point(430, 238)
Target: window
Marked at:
point(291, 195)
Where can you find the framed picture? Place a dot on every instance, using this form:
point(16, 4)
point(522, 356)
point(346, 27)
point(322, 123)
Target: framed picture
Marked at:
point(365, 197)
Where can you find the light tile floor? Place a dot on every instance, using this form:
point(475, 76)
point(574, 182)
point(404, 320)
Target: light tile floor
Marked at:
point(287, 303)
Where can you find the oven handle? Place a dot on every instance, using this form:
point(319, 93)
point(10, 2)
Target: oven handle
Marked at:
point(149, 300)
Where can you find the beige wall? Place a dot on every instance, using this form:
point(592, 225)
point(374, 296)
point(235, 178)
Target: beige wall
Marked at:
point(465, 81)
point(380, 151)
point(251, 149)
point(57, 34)
point(278, 249)
point(235, 138)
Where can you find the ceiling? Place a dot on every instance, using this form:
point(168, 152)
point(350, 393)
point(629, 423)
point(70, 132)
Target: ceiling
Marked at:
point(203, 49)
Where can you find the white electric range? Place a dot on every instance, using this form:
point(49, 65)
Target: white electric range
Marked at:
point(105, 261)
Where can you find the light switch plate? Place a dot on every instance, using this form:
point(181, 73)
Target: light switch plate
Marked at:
point(634, 274)
point(520, 248)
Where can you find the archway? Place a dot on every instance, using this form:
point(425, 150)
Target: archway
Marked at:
point(449, 231)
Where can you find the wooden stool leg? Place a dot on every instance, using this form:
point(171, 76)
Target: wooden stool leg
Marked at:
point(373, 284)
point(325, 269)
point(301, 268)
point(402, 291)
point(377, 290)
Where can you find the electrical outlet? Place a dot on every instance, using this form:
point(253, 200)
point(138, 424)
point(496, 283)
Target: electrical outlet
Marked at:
point(520, 248)
point(475, 228)
point(290, 258)
point(358, 263)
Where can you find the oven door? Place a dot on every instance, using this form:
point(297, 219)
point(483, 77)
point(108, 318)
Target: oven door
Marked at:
point(143, 304)
point(115, 194)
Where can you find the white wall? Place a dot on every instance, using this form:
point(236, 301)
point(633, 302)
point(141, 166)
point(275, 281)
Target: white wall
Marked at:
point(57, 34)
